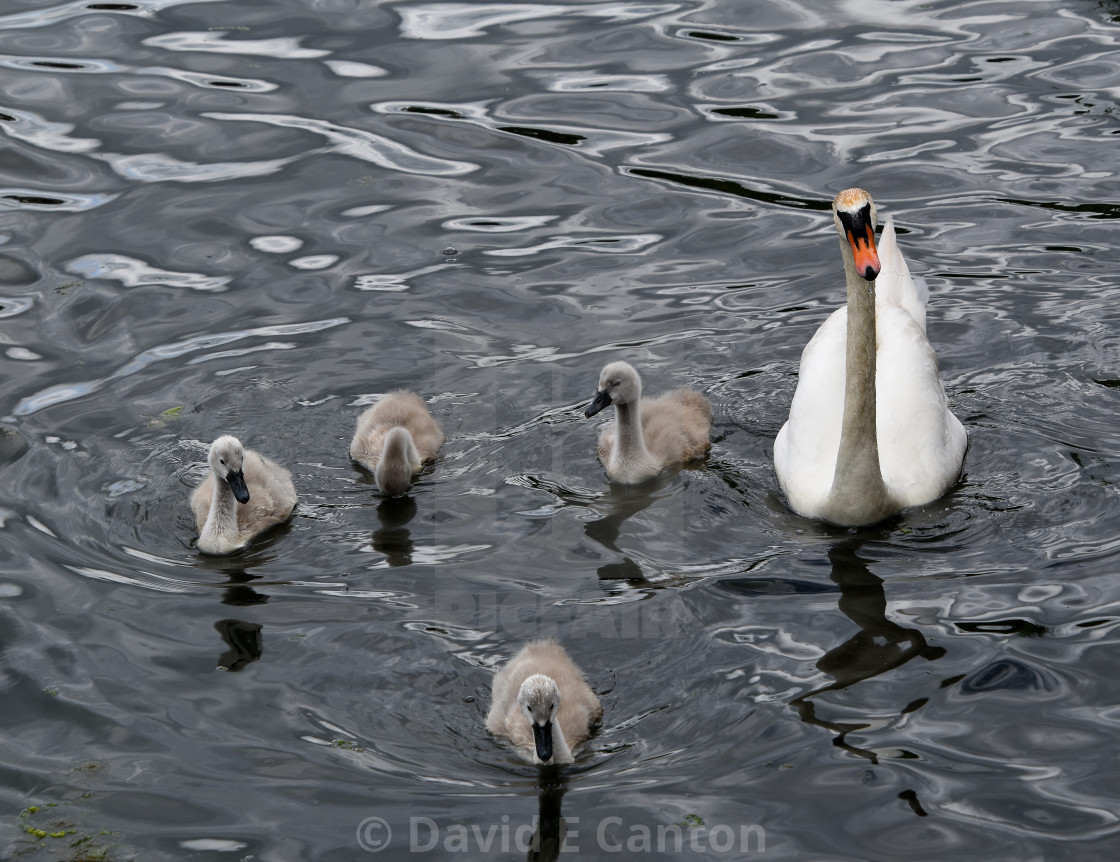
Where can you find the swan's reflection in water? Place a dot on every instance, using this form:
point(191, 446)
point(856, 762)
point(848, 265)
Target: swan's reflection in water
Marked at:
point(238, 592)
point(880, 645)
point(243, 641)
point(622, 502)
point(243, 638)
point(393, 538)
point(548, 837)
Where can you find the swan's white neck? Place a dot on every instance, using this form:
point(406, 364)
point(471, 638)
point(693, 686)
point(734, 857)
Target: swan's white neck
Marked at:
point(220, 533)
point(859, 495)
point(630, 454)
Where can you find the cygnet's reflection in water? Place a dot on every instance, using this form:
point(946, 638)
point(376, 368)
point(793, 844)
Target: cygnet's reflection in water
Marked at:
point(548, 837)
point(880, 644)
point(238, 592)
point(393, 538)
point(623, 502)
point(243, 640)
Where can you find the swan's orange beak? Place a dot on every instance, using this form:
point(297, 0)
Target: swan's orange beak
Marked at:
point(861, 237)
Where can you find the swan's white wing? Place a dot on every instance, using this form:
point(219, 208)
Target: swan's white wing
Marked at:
point(805, 449)
point(895, 285)
point(921, 443)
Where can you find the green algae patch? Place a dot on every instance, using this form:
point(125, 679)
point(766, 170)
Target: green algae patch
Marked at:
point(50, 836)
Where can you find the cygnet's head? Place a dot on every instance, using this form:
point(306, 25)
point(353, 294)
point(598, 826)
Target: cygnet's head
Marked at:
point(395, 466)
point(619, 383)
point(539, 698)
point(227, 459)
point(853, 213)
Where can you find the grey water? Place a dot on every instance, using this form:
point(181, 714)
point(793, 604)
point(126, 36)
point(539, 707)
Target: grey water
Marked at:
point(255, 217)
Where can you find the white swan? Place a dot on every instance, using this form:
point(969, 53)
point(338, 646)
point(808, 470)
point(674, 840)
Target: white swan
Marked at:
point(542, 704)
point(649, 433)
point(244, 494)
point(395, 438)
point(869, 430)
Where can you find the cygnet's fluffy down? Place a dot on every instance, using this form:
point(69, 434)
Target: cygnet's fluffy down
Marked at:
point(395, 438)
point(243, 495)
point(648, 434)
point(542, 704)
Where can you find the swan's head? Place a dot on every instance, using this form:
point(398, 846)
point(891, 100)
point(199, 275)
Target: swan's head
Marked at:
point(539, 699)
point(619, 383)
point(853, 212)
point(397, 463)
point(227, 459)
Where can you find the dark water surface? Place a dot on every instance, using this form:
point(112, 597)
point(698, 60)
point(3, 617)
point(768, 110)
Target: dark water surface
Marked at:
point(254, 217)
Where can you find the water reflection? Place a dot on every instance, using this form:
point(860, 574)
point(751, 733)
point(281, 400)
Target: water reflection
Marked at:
point(548, 837)
point(166, 352)
point(393, 538)
point(880, 644)
point(623, 502)
point(131, 272)
point(244, 642)
point(238, 594)
point(242, 639)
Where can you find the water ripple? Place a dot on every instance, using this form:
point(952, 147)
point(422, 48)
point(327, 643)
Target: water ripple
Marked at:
point(151, 581)
point(592, 140)
point(497, 224)
point(361, 144)
point(10, 306)
point(226, 354)
point(34, 129)
point(314, 261)
point(393, 282)
point(81, 8)
point(579, 82)
point(158, 168)
point(69, 391)
point(34, 199)
point(133, 273)
point(276, 244)
point(466, 21)
point(208, 41)
point(536, 353)
point(603, 244)
point(351, 69)
point(57, 65)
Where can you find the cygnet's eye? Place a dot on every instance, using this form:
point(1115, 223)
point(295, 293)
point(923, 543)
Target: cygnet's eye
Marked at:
point(221, 460)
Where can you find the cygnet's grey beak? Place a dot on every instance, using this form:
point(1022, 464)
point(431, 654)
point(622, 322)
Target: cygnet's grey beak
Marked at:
point(542, 736)
point(602, 399)
point(236, 480)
